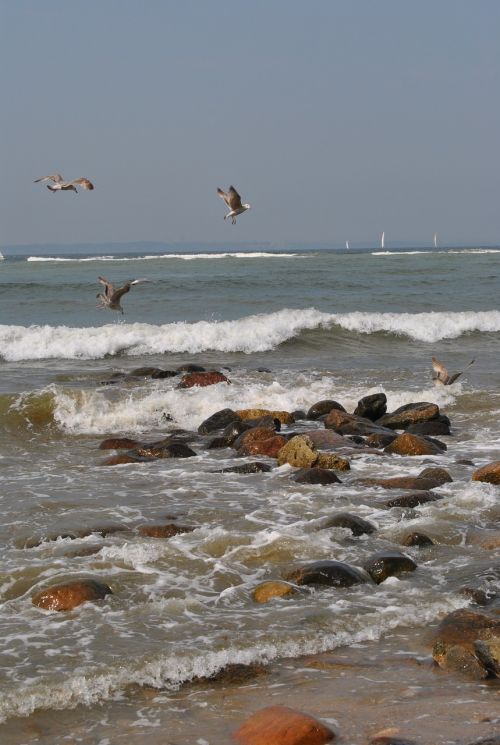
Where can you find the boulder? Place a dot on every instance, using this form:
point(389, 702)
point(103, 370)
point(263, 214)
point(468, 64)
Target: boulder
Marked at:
point(489, 473)
point(330, 573)
point(456, 643)
point(372, 407)
point(417, 539)
point(265, 421)
point(409, 414)
point(279, 725)
point(171, 450)
point(327, 439)
point(386, 564)
point(255, 467)
point(159, 374)
point(71, 594)
point(118, 443)
point(362, 427)
point(202, 379)
point(269, 446)
point(316, 476)
point(437, 475)
point(251, 436)
point(189, 367)
point(285, 417)
point(163, 531)
point(408, 444)
point(332, 461)
point(232, 431)
point(413, 499)
point(434, 427)
point(336, 419)
point(124, 458)
point(320, 408)
point(144, 372)
point(354, 523)
point(380, 440)
point(219, 420)
point(299, 452)
point(266, 591)
point(429, 478)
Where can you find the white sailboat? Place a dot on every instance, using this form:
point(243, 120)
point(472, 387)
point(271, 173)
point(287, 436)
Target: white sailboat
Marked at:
point(435, 240)
point(2, 257)
point(347, 244)
point(382, 239)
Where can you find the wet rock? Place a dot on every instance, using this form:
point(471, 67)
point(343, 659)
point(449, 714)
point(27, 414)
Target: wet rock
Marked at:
point(354, 523)
point(299, 452)
point(337, 418)
point(71, 594)
point(232, 431)
point(409, 414)
point(171, 450)
point(408, 444)
point(320, 408)
point(144, 372)
point(488, 653)
point(316, 476)
point(189, 367)
point(298, 415)
point(252, 435)
point(332, 461)
point(217, 442)
point(202, 379)
point(437, 475)
point(219, 420)
point(285, 417)
point(265, 421)
point(124, 458)
point(478, 596)
point(377, 440)
point(269, 446)
point(455, 646)
point(234, 674)
point(280, 725)
point(429, 478)
point(330, 573)
point(388, 740)
point(327, 439)
point(118, 443)
point(363, 427)
point(386, 564)
point(160, 374)
point(163, 531)
point(413, 499)
point(433, 427)
point(417, 539)
point(255, 467)
point(266, 591)
point(493, 740)
point(489, 473)
point(372, 407)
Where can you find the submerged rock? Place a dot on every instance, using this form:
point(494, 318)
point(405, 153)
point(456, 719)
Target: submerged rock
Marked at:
point(255, 467)
point(70, 594)
point(316, 476)
point(386, 564)
point(354, 523)
point(330, 573)
point(489, 473)
point(202, 379)
point(118, 443)
point(279, 725)
point(417, 539)
point(272, 589)
point(413, 499)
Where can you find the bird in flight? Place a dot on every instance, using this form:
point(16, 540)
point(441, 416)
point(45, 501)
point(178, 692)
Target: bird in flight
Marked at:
point(233, 201)
point(442, 376)
point(111, 297)
point(59, 184)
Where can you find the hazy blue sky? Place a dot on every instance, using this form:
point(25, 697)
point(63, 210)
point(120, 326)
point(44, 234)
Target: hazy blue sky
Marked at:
point(336, 119)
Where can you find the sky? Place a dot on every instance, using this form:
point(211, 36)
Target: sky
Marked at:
point(334, 119)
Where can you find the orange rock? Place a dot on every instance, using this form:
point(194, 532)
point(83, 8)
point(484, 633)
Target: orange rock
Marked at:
point(284, 416)
point(280, 725)
point(117, 443)
point(70, 595)
point(336, 419)
point(272, 589)
point(270, 447)
point(202, 379)
point(489, 473)
point(118, 460)
point(408, 444)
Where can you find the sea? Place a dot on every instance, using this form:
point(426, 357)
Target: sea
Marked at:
point(289, 328)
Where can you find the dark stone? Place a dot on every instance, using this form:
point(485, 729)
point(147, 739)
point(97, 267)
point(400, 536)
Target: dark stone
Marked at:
point(378, 440)
point(477, 596)
point(234, 674)
point(316, 476)
point(118, 443)
point(217, 442)
point(163, 531)
point(388, 564)
point(219, 420)
point(493, 740)
point(159, 374)
point(234, 430)
point(437, 475)
point(362, 426)
point(355, 524)
point(372, 407)
point(330, 573)
point(320, 408)
point(390, 741)
point(434, 427)
point(409, 414)
point(172, 450)
point(255, 467)
point(413, 499)
point(190, 368)
point(298, 415)
point(265, 421)
point(263, 370)
point(144, 372)
point(417, 539)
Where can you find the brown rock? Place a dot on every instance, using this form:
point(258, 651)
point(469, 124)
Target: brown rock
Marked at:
point(386, 564)
point(279, 725)
point(270, 447)
point(413, 500)
point(417, 539)
point(272, 589)
point(409, 414)
point(299, 452)
point(489, 473)
point(332, 461)
point(316, 476)
point(163, 531)
point(408, 444)
point(354, 523)
point(377, 440)
point(255, 467)
point(202, 379)
point(70, 595)
point(455, 646)
point(250, 436)
point(336, 419)
point(285, 417)
point(320, 408)
point(437, 475)
point(122, 458)
point(330, 573)
point(219, 420)
point(327, 439)
point(118, 443)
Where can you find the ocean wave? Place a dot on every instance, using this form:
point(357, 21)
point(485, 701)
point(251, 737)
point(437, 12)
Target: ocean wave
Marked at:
point(184, 257)
point(256, 333)
point(438, 251)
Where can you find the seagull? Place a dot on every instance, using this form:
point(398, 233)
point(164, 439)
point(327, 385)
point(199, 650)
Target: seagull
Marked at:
point(110, 298)
point(59, 184)
point(442, 376)
point(233, 201)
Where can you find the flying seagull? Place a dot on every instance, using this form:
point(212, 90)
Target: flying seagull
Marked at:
point(233, 201)
point(59, 184)
point(442, 376)
point(110, 298)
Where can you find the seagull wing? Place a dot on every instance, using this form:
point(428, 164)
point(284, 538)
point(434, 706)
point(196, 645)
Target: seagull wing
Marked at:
point(83, 182)
point(441, 372)
point(234, 198)
point(108, 287)
point(222, 194)
point(55, 177)
point(455, 376)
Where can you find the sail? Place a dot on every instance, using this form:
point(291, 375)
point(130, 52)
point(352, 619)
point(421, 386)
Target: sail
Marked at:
point(382, 240)
point(347, 244)
point(435, 240)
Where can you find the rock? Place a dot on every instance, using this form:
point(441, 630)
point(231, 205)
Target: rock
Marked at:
point(480, 597)
point(71, 594)
point(390, 741)
point(437, 475)
point(413, 500)
point(279, 725)
point(163, 531)
point(298, 415)
point(417, 539)
point(117, 443)
point(285, 417)
point(202, 379)
point(144, 372)
point(332, 461)
point(269, 446)
point(316, 476)
point(354, 523)
point(190, 368)
point(363, 428)
point(320, 408)
point(327, 439)
point(272, 589)
point(299, 452)
point(232, 431)
point(489, 473)
point(255, 467)
point(408, 444)
point(425, 480)
point(265, 421)
point(219, 420)
point(433, 427)
point(159, 374)
point(336, 418)
point(252, 435)
point(388, 564)
point(330, 573)
point(488, 654)
point(493, 740)
point(377, 440)
point(372, 407)
point(217, 442)
point(124, 458)
point(409, 414)
point(455, 646)
point(171, 450)
point(235, 674)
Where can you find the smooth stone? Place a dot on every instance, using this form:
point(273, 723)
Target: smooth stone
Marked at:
point(408, 444)
point(330, 573)
point(320, 408)
point(160, 374)
point(143, 372)
point(270, 589)
point(327, 439)
point(377, 440)
point(219, 420)
point(409, 414)
point(70, 594)
point(189, 367)
point(172, 450)
point(372, 407)
point(316, 476)
point(280, 725)
point(413, 499)
point(433, 427)
point(386, 564)
point(354, 523)
point(117, 443)
point(490, 473)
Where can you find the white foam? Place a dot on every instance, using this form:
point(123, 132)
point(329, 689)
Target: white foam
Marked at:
point(183, 257)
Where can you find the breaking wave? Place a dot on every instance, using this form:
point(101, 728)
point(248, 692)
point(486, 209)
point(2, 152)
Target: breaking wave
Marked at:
point(184, 257)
